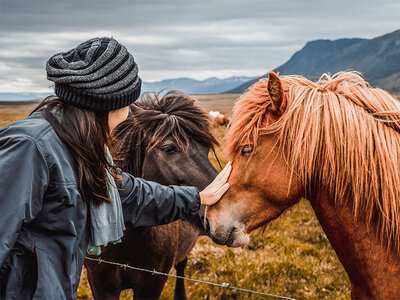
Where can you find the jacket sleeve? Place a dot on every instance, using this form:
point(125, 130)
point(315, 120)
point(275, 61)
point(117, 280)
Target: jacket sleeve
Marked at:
point(147, 203)
point(23, 182)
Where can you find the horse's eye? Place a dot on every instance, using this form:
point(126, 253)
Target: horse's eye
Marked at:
point(247, 149)
point(169, 149)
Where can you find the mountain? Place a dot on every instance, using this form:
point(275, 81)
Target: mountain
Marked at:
point(187, 85)
point(23, 96)
point(378, 59)
point(190, 86)
point(390, 83)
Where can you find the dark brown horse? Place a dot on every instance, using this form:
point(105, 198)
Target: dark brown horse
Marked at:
point(165, 139)
point(335, 141)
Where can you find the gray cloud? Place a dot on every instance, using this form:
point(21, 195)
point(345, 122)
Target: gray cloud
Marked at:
point(176, 38)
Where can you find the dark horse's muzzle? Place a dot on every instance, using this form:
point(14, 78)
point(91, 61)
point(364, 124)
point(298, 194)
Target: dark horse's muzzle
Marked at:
point(199, 221)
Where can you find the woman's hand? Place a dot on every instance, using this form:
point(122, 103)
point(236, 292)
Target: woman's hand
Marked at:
point(212, 193)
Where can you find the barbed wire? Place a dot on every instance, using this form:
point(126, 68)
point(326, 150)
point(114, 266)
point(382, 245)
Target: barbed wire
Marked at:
point(154, 272)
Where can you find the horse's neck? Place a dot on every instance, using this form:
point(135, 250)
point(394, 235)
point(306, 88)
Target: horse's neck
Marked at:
point(374, 271)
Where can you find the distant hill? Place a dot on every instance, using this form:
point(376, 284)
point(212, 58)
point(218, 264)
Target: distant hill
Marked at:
point(23, 96)
point(378, 59)
point(186, 85)
point(390, 83)
point(190, 86)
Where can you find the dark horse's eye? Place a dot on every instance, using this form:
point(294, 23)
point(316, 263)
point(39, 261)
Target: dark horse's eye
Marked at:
point(247, 149)
point(169, 149)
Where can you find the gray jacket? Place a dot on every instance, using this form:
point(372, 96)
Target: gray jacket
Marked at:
point(44, 227)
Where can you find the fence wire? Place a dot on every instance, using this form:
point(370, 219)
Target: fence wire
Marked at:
point(154, 272)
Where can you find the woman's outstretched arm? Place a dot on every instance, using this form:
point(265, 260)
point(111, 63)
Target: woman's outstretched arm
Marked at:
point(147, 203)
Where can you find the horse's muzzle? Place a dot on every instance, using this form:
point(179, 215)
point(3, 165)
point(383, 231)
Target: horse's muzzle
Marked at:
point(200, 222)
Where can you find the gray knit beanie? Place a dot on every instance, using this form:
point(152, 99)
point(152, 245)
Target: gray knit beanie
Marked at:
point(99, 75)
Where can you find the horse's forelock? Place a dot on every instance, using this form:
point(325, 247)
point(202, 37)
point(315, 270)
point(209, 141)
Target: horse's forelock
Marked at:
point(173, 114)
point(156, 117)
point(248, 115)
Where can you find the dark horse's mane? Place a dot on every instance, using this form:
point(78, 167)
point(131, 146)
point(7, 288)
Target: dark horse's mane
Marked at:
point(155, 117)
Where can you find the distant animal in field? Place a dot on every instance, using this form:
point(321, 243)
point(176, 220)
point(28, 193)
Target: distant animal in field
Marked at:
point(218, 118)
point(165, 139)
point(335, 142)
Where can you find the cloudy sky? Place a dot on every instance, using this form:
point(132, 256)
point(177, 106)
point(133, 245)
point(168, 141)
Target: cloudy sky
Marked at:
point(180, 38)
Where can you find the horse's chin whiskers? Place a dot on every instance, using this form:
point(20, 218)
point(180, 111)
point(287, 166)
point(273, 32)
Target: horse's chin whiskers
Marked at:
point(205, 216)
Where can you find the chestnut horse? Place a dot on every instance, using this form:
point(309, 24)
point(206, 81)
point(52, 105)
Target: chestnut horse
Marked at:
point(335, 142)
point(165, 139)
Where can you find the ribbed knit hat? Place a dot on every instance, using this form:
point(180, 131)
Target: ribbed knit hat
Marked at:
point(99, 74)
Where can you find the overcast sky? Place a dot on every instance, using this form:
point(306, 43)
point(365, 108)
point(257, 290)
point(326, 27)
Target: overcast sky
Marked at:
point(180, 38)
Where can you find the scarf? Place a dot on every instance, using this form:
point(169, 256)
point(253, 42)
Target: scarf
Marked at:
point(106, 220)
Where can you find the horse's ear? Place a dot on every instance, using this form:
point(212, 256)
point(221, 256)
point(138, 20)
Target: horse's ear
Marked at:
point(275, 91)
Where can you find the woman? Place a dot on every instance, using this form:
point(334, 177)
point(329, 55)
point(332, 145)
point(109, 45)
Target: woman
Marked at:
point(59, 189)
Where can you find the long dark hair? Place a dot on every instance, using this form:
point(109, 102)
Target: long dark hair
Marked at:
point(85, 133)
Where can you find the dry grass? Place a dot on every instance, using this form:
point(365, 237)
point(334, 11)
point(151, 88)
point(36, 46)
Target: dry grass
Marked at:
point(292, 257)
point(6, 118)
point(11, 111)
point(222, 103)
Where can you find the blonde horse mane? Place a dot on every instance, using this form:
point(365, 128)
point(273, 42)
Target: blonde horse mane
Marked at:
point(337, 132)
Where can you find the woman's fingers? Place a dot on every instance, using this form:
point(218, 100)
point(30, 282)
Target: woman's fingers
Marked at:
point(212, 193)
point(227, 172)
point(215, 198)
point(221, 174)
point(224, 174)
point(223, 190)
